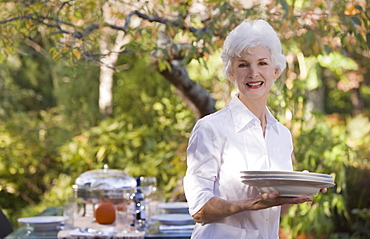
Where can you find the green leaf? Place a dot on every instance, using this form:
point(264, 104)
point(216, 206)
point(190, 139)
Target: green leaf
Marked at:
point(164, 65)
point(205, 49)
point(327, 49)
point(284, 4)
point(224, 8)
point(358, 7)
point(356, 20)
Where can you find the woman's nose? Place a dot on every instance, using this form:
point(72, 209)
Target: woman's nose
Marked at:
point(253, 73)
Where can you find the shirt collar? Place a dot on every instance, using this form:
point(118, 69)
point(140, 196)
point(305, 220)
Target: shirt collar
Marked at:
point(271, 121)
point(242, 116)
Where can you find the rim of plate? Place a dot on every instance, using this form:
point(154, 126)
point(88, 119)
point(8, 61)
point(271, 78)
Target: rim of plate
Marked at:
point(174, 205)
point(41, 219)
point(264, 172)
point(286, 177)
point(259, 183)
point(173, 217)
point(299, 180)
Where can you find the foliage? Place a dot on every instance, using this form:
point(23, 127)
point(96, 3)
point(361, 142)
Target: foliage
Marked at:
point(147, 136)
point(75, 89)
point(28, 167)
point(361, 227)
point(318, 149)
point(324, 144)
point(26, 83)
point(359, 135)
point(324, 149)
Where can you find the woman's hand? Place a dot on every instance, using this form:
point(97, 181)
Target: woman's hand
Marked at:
point(285, 207)
point(272, 199)
point(217, 208)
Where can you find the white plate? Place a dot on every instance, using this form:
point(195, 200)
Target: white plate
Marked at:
point(288, 188)
point(173, 219)
point(264, 182)
point(293, 190)
point(296, 173)
point(288, 178)
point(42, 223)
point(175, 207)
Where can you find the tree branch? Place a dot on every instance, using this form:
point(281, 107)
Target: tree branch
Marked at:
point(160, 20)
point(41, 21)
point(195, 96)
point(88, 30)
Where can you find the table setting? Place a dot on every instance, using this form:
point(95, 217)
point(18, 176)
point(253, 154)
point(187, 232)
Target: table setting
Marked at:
point(108, 203)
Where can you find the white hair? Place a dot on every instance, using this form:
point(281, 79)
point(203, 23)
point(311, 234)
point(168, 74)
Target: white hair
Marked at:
point(250, 34)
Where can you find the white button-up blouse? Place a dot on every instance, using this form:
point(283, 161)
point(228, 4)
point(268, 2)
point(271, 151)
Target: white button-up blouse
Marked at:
point(220, 146)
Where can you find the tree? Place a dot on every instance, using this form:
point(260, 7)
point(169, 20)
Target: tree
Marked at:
point(181, 31)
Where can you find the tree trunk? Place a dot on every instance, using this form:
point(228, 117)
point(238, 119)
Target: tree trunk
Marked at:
point(316, 100)
point(357, 101)
point(196, 97)
point(110, 55)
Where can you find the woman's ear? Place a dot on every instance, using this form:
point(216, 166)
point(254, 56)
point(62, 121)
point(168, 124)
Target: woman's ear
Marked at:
point(231, 78)
point(277, 73)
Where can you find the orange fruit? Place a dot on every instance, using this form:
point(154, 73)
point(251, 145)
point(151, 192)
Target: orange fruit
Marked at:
point(105, 213)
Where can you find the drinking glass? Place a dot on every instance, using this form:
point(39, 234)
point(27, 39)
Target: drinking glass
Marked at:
point(69, 214)
point(148, 185)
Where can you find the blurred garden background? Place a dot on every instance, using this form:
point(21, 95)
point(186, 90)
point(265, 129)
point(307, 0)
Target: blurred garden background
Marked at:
point(122, 82)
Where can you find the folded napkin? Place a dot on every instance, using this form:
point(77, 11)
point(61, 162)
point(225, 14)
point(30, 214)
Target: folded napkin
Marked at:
point(106, 232)
point(175, 228)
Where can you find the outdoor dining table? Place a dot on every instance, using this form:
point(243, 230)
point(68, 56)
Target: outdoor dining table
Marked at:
point(22, 232)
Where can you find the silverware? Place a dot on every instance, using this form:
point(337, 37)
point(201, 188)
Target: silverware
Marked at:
point(91, 230)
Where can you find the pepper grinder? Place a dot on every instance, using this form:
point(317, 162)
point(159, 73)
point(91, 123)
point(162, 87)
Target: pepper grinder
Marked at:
point(138, 198)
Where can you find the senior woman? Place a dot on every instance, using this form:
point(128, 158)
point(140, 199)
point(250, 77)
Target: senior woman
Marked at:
point(243, 136)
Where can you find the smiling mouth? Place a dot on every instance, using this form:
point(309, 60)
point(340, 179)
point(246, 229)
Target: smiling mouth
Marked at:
point(253, 84)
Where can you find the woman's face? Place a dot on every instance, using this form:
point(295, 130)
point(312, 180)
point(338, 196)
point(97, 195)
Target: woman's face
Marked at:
point(253, 74)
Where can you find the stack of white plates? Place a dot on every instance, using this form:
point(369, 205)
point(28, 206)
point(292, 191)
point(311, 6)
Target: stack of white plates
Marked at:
point(288, 183)
point(173, 219)
point(176, 218)
point(175, 207)
point(42, 223)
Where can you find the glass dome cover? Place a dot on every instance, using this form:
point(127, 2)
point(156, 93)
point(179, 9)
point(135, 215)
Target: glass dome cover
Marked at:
point(105, 179)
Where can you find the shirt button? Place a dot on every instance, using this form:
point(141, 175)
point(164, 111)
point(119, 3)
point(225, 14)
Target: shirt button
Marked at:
point(265, 219)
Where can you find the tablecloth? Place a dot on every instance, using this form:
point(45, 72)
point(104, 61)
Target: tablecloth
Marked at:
point(83, 222)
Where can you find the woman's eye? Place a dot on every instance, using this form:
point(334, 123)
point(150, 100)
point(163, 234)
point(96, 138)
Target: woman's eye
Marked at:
point(243, 65)
point(263, 63)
